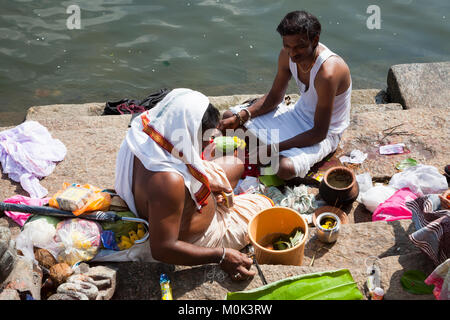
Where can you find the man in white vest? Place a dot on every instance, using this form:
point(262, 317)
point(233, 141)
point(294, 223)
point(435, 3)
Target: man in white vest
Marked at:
point(311, 129)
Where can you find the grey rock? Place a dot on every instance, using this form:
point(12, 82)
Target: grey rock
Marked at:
point(9, 294)
point(420, 85)
point(25, 276)
point(86, 288)
point(7, 253)
point(105, 279)
point(68, 296)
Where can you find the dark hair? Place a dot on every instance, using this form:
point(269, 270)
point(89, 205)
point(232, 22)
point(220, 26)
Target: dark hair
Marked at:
point(211, 117)
point(300, 22)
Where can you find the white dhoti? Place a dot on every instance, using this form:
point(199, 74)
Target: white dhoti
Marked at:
point(284, 123)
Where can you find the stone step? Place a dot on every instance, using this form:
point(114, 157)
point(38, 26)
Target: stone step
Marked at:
point(419, 85)
point(424, 131)
point(357, 241)
point(140, 281)
point(363, 97)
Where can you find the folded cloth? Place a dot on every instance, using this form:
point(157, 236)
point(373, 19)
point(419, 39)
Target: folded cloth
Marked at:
point(19, 217)
point(440, 277)
point(27, 153)
point(432, 225)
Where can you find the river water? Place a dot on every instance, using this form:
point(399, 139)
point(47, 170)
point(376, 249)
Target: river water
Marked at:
point(130, 48)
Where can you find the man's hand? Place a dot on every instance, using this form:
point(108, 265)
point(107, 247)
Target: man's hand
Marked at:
point(237, 265)
point(229, 123)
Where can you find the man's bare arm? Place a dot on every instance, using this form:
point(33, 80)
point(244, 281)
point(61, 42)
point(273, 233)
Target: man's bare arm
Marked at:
point(165, 209)
point(326, 84)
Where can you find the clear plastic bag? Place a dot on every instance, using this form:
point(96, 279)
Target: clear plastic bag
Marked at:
point(420, 179)
point(77, 240)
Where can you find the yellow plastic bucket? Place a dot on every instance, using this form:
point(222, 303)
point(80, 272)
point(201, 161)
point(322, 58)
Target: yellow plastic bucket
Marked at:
point(273, 221)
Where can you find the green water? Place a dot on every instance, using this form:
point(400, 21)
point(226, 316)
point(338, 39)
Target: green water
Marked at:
point(130, 48)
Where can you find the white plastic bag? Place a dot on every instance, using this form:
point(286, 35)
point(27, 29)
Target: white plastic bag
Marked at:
point(364, 183)
point(420, 179)
point(375, 196)
point(38, 233)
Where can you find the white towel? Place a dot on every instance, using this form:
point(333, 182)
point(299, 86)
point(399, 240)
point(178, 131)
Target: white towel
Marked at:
point(28, 153)
point(168, 138)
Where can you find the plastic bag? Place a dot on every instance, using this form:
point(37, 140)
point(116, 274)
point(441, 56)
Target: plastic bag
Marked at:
point(98, 200)
point(121, 228)
point(364, 183)
point(39, 232)
point(394, 208)
point(420, 179)
point(375, 196)
point(77, 240)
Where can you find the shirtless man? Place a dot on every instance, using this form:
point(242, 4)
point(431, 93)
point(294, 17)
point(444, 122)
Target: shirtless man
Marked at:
point(187, 224)
point(324, 111)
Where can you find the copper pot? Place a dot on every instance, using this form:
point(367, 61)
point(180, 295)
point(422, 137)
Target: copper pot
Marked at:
point(339, 186)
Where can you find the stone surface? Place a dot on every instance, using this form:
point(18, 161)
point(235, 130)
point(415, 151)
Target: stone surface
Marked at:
point(105, 280)
point(65, 110)
point(25, 277)
point(371, 107)
point(368, 96)
point(357, 241)
point(387, 241)
point(208, 282)
point(419, 85)
point(49, 112)
point(423, 131)
point(7, 253)
point(9, 294)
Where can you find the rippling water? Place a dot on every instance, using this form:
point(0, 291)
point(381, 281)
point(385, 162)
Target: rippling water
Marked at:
point(129, 48)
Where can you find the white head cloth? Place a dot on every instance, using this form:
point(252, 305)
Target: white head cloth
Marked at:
point(167, 138)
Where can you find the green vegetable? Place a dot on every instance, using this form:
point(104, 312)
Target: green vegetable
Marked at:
point(413, 281)
point(330, 285)
point(121, 228)
point(402, 165)
point(284, 242)
point(225, 143)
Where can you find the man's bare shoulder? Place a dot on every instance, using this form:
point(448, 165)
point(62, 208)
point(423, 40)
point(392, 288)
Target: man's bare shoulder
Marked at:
point(334, 68)
point(166, 186)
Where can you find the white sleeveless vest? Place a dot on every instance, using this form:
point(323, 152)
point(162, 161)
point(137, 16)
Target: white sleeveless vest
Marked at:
point(306, 106)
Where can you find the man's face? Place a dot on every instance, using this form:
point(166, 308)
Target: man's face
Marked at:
point(299, 47)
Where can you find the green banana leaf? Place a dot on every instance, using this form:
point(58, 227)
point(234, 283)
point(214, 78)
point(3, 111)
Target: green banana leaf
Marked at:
point(330, 285)
point(413, 281)
point(272, 180)
point(402, 165)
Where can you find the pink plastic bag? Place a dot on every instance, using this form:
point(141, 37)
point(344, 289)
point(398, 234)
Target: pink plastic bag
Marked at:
point(394, 208)
point(20, 217)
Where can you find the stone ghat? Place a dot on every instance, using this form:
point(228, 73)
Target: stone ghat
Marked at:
point(93, 141)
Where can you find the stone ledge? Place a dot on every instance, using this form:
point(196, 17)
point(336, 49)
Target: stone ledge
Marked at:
point(419, 85)
point(424, 133)
point(363, 97)
point(140, 281)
